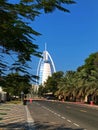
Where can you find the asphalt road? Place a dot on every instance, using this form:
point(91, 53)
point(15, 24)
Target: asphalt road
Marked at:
point(51, 115)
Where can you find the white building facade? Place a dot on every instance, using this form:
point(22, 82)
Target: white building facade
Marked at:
point(45, 68)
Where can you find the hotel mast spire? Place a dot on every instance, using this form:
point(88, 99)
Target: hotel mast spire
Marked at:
point(45, 67)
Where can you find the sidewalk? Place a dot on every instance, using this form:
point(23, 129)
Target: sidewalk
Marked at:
point(12, 116)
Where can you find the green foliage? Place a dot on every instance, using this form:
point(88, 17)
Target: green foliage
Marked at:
point(41, 90)
point(52, 82)
point(16, 35)
point(51, 5)
point(75, 85)
point(92, 61)
point(14, 84)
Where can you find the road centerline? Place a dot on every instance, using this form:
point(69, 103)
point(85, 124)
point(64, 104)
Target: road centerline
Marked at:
point(83, 111)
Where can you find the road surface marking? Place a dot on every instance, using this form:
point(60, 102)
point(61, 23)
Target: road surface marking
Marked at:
point(58, 115)
point(30, 120)
point(69, 120)
point(76, 124)
point(44, 107)
point(51, 111)
point(63, 117)
point(83, 111)
point(68, 107)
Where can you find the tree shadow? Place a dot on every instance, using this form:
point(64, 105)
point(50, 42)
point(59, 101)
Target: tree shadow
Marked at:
point(36, 126)
point(13, 126)
point(47, 126)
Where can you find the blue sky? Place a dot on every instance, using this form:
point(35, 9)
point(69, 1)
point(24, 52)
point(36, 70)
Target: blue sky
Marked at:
point(70, 37)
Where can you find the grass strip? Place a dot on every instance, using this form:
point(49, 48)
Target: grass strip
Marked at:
point(3, 113)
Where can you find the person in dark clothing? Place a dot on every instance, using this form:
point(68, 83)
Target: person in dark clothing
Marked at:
point(25, 100)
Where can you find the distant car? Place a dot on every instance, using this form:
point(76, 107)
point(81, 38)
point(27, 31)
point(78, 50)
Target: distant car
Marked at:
point(50, 98)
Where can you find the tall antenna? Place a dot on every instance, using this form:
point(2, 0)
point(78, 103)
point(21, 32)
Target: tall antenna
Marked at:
point(45, 46)
point(46, 67)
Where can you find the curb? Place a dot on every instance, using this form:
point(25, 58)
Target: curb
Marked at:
point(30, 120)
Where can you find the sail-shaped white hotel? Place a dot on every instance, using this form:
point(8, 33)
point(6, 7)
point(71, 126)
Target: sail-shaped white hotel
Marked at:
point(45, 68)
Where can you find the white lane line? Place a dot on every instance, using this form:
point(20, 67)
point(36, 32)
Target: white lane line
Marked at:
point(69, 120)
point(30, 120)
point(63, 117)
point(51, 111)
point(55, 113)
point(60, 116)
point(44, 107)
point(83, 111)
point(48, 109)
point(76, 124)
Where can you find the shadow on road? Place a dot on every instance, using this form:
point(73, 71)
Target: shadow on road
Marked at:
point(53, 126)
point(12, 126)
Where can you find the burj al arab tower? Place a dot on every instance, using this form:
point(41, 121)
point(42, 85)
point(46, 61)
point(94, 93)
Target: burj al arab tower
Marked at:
point(45, 68)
